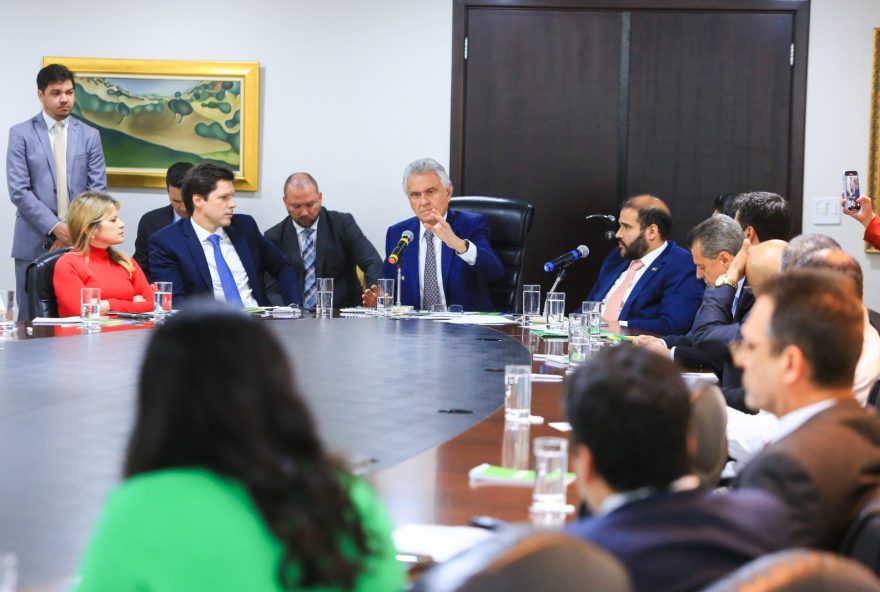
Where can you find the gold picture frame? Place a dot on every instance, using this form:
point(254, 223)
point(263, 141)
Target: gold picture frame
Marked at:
point(152, 113)
point(874, 143)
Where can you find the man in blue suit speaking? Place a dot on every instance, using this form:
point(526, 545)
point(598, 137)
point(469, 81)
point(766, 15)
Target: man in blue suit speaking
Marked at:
point(51, 158)
point(215, 251)
point(451, 261)
point(649, 283)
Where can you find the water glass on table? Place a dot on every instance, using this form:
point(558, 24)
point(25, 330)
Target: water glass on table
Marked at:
point(385, 296)
point(90, 305)
point(593, 308)
point(517, 392)
point(555, 311)
point(551, 469)
point(324, 301)
point(531, 294)
point(515, 445)
point(8, 311)
point(578, 338)
point(161, 299)
point(8, 572)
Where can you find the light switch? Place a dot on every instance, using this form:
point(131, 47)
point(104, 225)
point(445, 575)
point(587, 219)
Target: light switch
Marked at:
point(826, 210)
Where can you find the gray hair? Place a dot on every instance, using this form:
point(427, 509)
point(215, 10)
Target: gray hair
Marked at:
point(716, 234)
point(425, 165)
point(802, 246)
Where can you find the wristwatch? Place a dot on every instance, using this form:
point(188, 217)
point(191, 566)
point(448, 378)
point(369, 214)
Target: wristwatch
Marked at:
point(724, 280)
point(467, 245)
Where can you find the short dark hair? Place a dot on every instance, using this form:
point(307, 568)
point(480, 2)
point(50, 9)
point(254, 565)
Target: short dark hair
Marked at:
point(724, 204)
point(768, 213)
point(202, 180)
point(175, 174)
point(241, 416)
point(648, 213)
point(631, 408)
point(817, 311)
point(53, 73)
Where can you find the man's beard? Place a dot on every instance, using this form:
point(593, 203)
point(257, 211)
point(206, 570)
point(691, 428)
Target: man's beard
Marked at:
point(637, 248)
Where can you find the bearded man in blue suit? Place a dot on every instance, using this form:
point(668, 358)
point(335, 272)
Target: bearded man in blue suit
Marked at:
point(648, 283)
point(451, 261)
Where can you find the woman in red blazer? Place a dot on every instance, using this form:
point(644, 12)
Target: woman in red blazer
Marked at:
point(868, 219)
point(95, 227)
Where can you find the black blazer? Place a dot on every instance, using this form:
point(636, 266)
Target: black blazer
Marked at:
point(150, 222)
point(340, 246)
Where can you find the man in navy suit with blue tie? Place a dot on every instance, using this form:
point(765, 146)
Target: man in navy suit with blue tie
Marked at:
point(50, 159)
point(451, 261)
point(215, 251)
point(649, 283)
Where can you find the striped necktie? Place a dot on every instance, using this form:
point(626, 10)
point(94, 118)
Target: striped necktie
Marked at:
point(309, 287)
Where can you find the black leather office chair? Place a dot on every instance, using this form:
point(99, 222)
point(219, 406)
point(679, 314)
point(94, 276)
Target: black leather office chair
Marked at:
point(799, 570)
point(862, 540)
point(38, 285)
point(520, 560)
point(510, 221)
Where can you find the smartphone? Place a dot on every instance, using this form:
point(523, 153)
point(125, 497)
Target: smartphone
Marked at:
point(851, 190)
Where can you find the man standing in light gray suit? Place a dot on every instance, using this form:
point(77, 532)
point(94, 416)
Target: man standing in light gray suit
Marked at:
point(51, 158)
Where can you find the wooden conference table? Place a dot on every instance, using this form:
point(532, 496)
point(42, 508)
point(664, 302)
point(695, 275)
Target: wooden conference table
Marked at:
point(380, 390)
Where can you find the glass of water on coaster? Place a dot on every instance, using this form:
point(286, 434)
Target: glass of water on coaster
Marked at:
point(531, 294)
point(578, 338)
point(90, 306)
point(593, 309)
point(385, 296)
point(161, 299)
point(517, 392)
point(551, 469)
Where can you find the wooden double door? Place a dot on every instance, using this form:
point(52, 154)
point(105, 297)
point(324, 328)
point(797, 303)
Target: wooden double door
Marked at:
point(576, 105)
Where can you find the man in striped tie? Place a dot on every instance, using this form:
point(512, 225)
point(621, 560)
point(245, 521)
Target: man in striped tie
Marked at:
point(217, 252)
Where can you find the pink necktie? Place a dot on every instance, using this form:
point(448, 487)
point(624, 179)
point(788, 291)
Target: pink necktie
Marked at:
point(615, 303)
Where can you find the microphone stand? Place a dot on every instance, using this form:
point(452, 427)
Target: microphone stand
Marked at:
point(399, 282)
point(559, 277)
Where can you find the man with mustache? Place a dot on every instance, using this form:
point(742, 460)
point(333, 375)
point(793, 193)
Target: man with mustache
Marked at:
point(648, 283)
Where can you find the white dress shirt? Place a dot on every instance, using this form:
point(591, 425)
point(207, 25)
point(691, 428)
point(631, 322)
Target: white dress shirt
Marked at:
point(50, 128)
point(469, 257)
point(647, 260)
point(227, 249)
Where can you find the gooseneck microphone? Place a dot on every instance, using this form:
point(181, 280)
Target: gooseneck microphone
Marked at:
point(400, 247)
point(609, 220)
point(568, 258)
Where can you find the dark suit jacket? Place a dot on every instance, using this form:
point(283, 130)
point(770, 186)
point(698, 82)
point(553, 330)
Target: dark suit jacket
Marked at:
point(467, 285)
point(340, 246)
point(151, 222)
point(177, 256)
point(677, 542)
point(666, 297)
point(823, 472)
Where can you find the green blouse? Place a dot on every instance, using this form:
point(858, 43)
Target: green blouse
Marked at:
point(192, 530)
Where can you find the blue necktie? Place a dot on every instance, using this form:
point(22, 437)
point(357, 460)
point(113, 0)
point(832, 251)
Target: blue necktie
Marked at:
point(227, 282)
point(311, 293)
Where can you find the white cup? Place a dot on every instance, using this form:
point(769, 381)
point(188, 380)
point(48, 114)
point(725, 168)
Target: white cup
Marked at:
point(517, 392)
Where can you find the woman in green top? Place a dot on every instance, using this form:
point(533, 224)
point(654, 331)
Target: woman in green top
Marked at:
point(227, 485)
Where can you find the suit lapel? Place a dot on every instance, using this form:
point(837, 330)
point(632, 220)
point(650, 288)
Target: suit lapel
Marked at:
point(244, 253)
point(412, 281)
point(611, 277)
point(446, 253)
point(42, 134)
point(73, 134)
point(647, 278)
point(290, 246)
point(197, 252)
point(323, 242)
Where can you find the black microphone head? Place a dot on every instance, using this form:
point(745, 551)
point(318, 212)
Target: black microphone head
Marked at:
point(407, 234)
point(583, 250)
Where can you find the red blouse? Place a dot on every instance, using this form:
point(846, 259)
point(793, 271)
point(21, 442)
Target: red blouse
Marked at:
point(872, 232)
point(73, 272)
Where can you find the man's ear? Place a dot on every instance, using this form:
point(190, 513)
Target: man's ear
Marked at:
point(750, 234)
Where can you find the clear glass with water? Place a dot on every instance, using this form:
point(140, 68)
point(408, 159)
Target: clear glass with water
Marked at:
point(90, 305)
point(8, 310)
point(515, 445)
point(161, 299)
point(531, 302)
point(551, 468)
point(578, 338)
point(324, 301)
point(385, 297)
point(517, 392)
point(593, 309)
point(555, 310)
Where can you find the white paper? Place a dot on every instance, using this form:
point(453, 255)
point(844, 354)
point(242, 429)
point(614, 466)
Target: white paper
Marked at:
point(437, 541)
point(562, 426)
point(480, 320)
point(59, 321)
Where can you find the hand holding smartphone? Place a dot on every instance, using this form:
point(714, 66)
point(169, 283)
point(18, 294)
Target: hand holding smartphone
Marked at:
point(851, 190)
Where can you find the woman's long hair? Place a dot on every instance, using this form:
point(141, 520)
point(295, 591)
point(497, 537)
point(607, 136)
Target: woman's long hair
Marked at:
point(216, 391)
point(86, 213)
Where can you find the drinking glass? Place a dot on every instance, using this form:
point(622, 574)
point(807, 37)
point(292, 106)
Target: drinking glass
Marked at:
point(8, 572)
point(531, 295)
point(324, 306)
point(555, 310)
point(438, 308)
point(455, 309)
point(90, 305)
point(578, 338)
point(517, 392)
point(551, 468)
point(8, 310)
point(593, 308)
point(515, 445)
point(385, 297)
point(161, 299)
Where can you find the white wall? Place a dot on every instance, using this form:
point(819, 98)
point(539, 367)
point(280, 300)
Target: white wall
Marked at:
point(352, 90)
point(838, 116)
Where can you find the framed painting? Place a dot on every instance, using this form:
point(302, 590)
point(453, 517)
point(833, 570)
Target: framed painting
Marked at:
point(874, 144)
point(153, 113)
